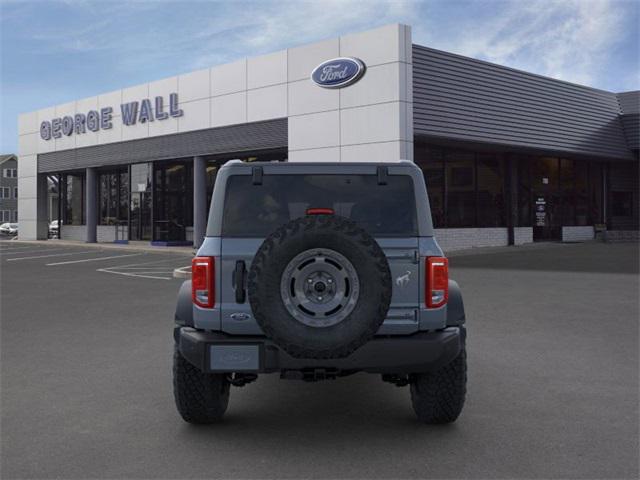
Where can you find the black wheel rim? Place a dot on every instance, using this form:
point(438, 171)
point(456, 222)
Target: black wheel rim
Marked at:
point(320, 287)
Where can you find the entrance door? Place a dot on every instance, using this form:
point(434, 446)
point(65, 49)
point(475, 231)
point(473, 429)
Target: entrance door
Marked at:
point(546, 201)
point(140, 219)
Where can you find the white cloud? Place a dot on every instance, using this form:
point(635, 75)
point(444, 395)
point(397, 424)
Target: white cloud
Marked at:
point(569, 40)
point(273, 25)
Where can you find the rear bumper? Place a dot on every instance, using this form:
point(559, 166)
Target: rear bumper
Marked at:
point(420, 352)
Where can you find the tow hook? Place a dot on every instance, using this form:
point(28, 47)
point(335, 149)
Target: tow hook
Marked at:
point(397, 380)
point(241, 379)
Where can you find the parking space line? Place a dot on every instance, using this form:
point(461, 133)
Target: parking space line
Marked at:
point(139, 275)
point(51, 255)
point(150, 270)
point(92, 259)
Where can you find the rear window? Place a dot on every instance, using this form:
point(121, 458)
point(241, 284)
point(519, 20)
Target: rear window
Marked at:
point(257, 210)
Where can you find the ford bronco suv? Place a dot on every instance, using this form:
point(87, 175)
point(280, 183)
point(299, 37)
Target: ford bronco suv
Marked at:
point(317, 271)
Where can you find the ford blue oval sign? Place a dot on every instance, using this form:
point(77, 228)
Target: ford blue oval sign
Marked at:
point(338, 73)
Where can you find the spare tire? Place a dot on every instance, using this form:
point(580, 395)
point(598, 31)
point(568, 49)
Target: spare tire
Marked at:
point(320, 286)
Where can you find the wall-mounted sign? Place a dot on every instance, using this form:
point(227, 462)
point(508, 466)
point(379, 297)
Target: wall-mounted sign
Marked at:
point(339, 72)
point(541, 214)
point(94, 120)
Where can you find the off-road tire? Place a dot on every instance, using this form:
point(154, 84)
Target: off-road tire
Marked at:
point(200, 397)
point(438, 397)
point(327, 232)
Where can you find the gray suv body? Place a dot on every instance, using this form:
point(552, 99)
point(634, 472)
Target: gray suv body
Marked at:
point(316, 271)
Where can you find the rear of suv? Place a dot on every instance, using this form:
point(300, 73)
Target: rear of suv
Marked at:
point(317, 271)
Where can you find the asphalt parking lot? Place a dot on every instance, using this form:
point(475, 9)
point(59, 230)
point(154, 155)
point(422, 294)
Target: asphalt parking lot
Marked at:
point(553, 378)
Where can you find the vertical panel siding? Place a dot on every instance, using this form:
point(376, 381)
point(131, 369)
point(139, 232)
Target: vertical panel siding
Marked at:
point(461, 98)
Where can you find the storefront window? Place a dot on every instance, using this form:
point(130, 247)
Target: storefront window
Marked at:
point(623, 198)
point(581, 171)
point(461, 189)
point(214, 164)
point(596, 189)
point(113, 198)
point(73, 201)
point(621, 204)
point(491, 201)
point(524, 190)
point(468, 189)
point(567, 191)
point(430, 160)
point(140, 202)
point(212, 174)
point(173, 201)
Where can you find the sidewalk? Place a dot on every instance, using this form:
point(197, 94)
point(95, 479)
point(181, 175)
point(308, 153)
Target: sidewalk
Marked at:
point(131, 246)
point(510, 248)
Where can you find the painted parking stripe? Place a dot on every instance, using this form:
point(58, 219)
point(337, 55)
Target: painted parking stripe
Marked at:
point(137, 275)
point(143, 270)
point(51, 255)
point(92, 259)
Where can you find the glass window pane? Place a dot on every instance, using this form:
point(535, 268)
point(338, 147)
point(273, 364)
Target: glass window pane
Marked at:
point(141, 177)
point(461, 189)
point(430, 160)
point(123, 199)
point(74, 200)
point(524, 191)
point(384, 210)
point(173, 201)
point(491, 201)
point(581, 196)
point(103, 199)
point(595, 193)
point(567, 191)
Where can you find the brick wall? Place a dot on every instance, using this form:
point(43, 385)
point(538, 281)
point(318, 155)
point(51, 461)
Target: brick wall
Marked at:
point(461, 238)
point(522, 235)
point(577, 234)
point(74, 232)
point(615, 236)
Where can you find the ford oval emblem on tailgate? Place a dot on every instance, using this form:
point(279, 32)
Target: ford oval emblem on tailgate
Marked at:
point(240, 316)
point(339, 72)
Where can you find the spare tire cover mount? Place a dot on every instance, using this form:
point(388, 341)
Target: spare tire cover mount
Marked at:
point(320, 287)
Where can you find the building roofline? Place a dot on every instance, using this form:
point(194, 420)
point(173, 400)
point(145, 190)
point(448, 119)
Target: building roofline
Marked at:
point(6, 158)
point(518, 70)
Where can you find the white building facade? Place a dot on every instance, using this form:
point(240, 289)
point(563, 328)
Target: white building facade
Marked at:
point(139, 163)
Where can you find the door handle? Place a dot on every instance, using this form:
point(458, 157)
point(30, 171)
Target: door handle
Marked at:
point(238, 281)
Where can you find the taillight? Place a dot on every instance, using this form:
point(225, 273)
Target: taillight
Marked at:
point(320, 211)
point(203, 282)
point(437, 281)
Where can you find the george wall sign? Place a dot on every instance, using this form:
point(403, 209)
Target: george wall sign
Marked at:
point(94, 120)
point(338, 72)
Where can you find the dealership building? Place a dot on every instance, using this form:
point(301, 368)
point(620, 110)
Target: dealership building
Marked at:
point(509, 157)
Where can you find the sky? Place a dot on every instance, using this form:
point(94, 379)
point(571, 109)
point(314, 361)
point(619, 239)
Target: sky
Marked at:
point(55, 51)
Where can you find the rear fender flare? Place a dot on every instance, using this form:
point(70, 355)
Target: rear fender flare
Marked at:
point(184, 307)
point(455, 306)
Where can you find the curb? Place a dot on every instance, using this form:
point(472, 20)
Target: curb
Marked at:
point(182, 272)
point(109, 246)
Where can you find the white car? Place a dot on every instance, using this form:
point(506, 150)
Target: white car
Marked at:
point(9, 228)
point(54, 229)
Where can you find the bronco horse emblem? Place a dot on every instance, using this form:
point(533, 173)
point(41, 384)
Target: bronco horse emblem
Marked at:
point(403, 280)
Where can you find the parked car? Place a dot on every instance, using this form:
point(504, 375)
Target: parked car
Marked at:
point(54, 229)
point(316, 271)
point(9, 229)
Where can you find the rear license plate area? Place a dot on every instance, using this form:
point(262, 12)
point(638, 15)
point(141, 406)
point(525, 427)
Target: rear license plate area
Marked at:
point(234, 358)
